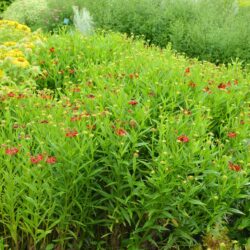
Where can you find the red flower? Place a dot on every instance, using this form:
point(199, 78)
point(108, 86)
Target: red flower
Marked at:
point(222, 86)
point(71, 134)
point(76, 90)
point(133, 102)
point(121, 132)
point(36, 159)
point(75, 118)
point(44, 121)
point(207, 89)
point(135, 75)
point(91, 96)
point(52, 49)
point(51, 160)
point(21, 96)
point(11, 94)
point(11, 151)
point(231, 134)
point(183, 138)
point(187, 70)
point(234, 167)
point(192, 84)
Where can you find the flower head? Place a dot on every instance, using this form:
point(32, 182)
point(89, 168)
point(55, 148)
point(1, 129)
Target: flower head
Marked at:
point(36, 159)
point(187, 70)
point(231, 134)
point(133, 102)
point(11, 151)
point(234, 167)
point(71, 134)
point(121, 132)
point(52, 49)
point(183, 138)
point(222, 86)
point(51, 160)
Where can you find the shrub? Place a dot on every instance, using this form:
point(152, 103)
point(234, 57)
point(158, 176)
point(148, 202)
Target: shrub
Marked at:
point(29, 12)
point(209, 30)
point(4, 4)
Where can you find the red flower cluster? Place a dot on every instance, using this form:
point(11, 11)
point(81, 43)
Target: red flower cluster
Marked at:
point(121, 132)
point(11, 151)
point(133, 102)
point(234, 167)
point(36, 159)
point(183, 138)
point(71, 134)
point(51, 160)
point(224, 85)
point(231, 134)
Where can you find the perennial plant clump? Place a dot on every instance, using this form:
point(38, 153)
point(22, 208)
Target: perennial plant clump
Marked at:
point(121, 145)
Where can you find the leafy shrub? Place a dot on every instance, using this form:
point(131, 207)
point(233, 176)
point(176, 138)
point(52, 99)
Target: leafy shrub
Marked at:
point(29, 12)
point(209, 30)
point(4, 4)
point(135, 148)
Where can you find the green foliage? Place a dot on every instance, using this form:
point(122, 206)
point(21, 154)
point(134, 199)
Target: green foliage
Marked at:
point(29, 12)
point(121, 178)
point(4, 4)
point(214, 30)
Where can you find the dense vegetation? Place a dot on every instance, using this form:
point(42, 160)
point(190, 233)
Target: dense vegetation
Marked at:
point(108, 143)
point(211, 30)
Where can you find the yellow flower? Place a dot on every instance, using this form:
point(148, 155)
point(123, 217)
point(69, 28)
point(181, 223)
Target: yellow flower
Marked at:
point(15, 25)
point(15, 53)
point(21, 62)
point(9, 44)
point(29, 45)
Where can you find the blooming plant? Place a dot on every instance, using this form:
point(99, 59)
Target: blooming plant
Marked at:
point(122, 146)
point(17, 43)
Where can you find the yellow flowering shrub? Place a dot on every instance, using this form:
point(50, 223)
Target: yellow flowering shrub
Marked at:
point(17, 43)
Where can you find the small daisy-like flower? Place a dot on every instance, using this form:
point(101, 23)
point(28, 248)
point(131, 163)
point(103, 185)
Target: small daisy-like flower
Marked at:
point(11, 151)
point(71, 134)
point(133, 102)
point(51, 160)
point(121, 132)
point(11, 94)
point(183, 138)
point(187, 70)
point(222, 86)
point(231, 134)
point(52, 49)
point(192, 84)
point(36, 159)
point(234, 167)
